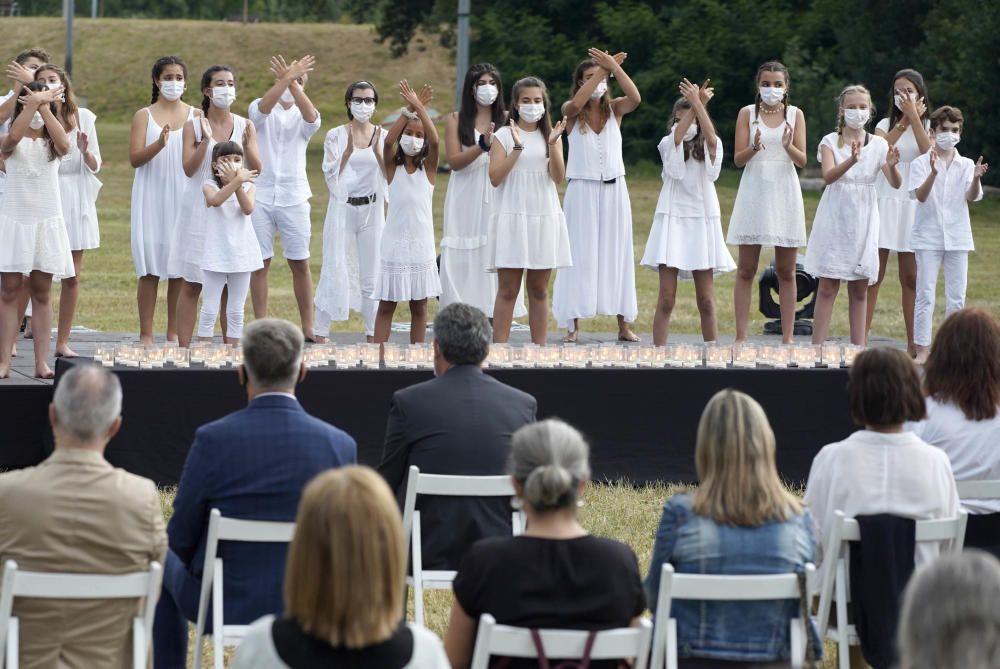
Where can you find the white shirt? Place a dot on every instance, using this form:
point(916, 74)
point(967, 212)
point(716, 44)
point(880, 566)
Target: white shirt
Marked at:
point(595, 155)
point(871, 473)
point(282, 136)
point(688, 185)
point(973, 446)
point(942, 221)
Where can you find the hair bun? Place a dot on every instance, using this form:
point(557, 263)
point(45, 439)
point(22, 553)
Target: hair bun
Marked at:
point(550, 486)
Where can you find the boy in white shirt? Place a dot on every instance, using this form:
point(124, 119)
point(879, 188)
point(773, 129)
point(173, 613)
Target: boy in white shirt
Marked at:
point(943, 182)
point(285, 120)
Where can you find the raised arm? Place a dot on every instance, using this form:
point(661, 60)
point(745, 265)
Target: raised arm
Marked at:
point(557, 163)
point(631, 100)
point(891, 168)
point(194, 149)
point(744, 149)
point(831, 170)
point(251, 150)
point(975, 191)
point(698, 97)
point(139, 153)
point(502, 162)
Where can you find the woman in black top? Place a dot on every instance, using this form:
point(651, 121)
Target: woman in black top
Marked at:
point(555, 575)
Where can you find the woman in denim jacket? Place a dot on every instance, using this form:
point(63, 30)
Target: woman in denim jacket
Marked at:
point(740, 520)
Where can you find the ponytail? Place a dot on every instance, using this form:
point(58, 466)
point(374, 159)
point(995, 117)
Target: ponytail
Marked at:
point(156, 94)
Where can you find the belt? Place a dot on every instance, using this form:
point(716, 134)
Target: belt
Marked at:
point(611, 181)
point(361, 201)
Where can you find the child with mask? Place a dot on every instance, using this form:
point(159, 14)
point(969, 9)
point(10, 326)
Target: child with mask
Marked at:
point(527, 233)
point(843, 245)
point(686, 238)
point(231, 251)
point(408, 258)
point(943, 182)
point(216, 124)
point(154, 150)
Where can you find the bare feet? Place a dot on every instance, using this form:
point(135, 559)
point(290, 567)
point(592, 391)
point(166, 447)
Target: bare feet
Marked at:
point(65, 352)
point(626, 334)
point(28, 334)
point(44, 372)
point(4, 371)
point(570, 337)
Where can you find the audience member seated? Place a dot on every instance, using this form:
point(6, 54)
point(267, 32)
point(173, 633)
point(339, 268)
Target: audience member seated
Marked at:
point(740, 520)
point(344, 594)
point(457, 423)
point(76, 513)
point(951, 614)
point(555, 575)
point(962, 385)
point(882, 469)
point(252, 464)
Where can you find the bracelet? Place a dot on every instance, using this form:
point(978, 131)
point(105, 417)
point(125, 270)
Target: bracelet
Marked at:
point(901, 126)
point(413, 116)
point(518, 147)
point(483, 145)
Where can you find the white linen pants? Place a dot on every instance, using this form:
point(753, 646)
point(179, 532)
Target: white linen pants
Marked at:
point(956, 270)
point(211, 296)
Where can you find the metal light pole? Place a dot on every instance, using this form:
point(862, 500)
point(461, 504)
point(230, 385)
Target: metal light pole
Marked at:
point(462, 54)
point(69, 7)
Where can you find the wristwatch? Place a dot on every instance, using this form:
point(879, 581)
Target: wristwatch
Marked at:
point(518, 147)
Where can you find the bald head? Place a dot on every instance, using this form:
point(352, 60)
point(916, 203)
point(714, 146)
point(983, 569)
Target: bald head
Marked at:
point(86, 404)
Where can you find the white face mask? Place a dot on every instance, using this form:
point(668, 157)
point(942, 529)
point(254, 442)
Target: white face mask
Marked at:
point(898, 99)
point(771, 95)
point(486, 94)
point(223, 96)
point(856, 118)
point(601, 89)
point(362, 111)
point(411, 145)
point(172, 90)
point(52, 87)
point(287, 97)
point(37, 121)
point(947, 140)
point(532, 113)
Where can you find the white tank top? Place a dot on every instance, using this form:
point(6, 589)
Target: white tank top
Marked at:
point(361, 174)
point(593, 155)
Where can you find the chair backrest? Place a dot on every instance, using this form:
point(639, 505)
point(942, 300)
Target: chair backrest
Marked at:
point(978, 489)
point(51, 585)
point(613, 644)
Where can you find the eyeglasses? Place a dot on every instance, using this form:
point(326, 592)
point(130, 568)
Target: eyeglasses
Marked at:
point(366, 101)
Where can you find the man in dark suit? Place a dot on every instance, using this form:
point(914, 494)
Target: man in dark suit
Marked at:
point(252, 464)
point(458, 423)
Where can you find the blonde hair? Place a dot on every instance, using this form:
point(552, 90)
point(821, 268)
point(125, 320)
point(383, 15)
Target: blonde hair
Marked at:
point(734, 458)
point(848, 90)
point(347, 562)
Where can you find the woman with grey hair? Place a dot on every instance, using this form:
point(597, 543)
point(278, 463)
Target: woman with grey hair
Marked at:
point(555, 575)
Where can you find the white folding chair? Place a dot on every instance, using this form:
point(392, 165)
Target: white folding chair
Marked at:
point(228, 529)
point(613, 644)
point(978, 489)
point(445, 486)
point(143, 585)
point(719, 587)
point(835, 579)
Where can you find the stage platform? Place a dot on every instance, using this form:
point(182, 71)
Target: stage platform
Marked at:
point(641, 422)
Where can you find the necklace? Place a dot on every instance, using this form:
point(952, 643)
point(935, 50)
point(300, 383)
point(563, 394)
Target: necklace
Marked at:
point(778, 110)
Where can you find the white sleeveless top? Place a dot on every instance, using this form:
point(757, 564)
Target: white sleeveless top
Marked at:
point(595, 155)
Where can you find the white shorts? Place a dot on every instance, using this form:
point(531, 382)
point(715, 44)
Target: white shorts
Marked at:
point(292, 223)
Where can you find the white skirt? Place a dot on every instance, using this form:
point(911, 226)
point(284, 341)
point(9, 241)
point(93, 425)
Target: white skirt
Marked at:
point(187, 236)
point(896, 212)
point(687, 244)
point(78, 194)
point(527, 228)
point(602, 278)
point(40, 245)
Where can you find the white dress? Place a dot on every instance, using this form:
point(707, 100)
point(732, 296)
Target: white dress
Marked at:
point(768, 208)
point(79, 186)
point(687, 225)
point(409, 263)
point(527, 227)
point(187, 238)
point(599, 220)
point(156, 197)
point(467, 205)
point(32, 231)
point(230, 244)
point(896, 209)
point(844, 240)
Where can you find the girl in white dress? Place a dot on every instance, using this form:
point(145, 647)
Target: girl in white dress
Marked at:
point(771, 143)
point(468, 134)
point(78, 187)
point(217, 123)
point(231, 250)
point(408, 258)
point(35, 245)
point(527, 233)
point(155, 151)
point(907, 128)
point(597, 205)
point(686, 237)
point(355, 216)
point(843, 245)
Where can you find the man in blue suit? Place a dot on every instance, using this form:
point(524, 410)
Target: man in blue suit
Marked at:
point(253, 465)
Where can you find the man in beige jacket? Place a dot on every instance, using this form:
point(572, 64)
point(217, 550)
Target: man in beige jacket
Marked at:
point(76, 513)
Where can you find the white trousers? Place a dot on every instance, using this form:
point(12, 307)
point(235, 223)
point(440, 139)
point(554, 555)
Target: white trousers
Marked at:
point(956, 270)
point(365, 228)
point(211, 295)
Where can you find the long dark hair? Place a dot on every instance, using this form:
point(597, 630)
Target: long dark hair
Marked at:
point(349, 93)
point(158, 67)
point(545, 123)
point(696, 147)
point(770, 66)
point(221, 150)
point(65, 111)
point(917, 80)
point(468, 106)
point(206, 81)
point(18, 108)
point(605, 100)
point(964, 364)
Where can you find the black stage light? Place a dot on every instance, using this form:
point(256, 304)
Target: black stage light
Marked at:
point(805, 289)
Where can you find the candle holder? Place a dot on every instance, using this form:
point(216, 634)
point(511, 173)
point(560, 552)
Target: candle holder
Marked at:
point(369, 355)
point(127, 355)
point(499, 356)
point(774, 355)
point(609, 355)
point(832, 354)
point(104, 355)
point(661, 357)
point(851, 351)
point(393, 356)
point(685, 355)
point(235, 356)
point(347, 356)
point(806, 355)
point(745, 355)
point(718, 356)
point(182, 358)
